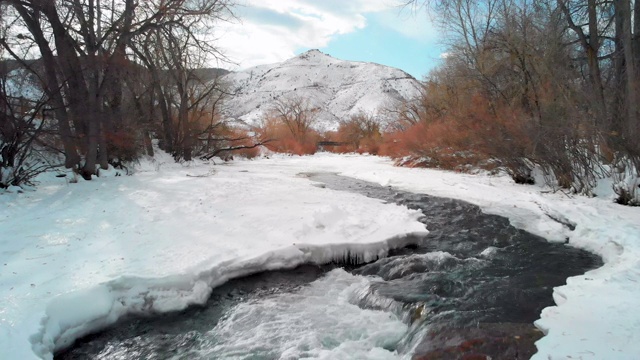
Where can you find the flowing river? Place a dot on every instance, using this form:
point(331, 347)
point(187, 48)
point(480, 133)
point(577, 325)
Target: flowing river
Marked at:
point(471, 289)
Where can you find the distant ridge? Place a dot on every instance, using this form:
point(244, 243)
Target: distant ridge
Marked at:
point(338, 88)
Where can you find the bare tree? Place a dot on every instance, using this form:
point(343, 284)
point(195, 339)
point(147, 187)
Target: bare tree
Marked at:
point(24, 124)
point(525, 61)
point(296, 114)
point(360, 127)
point(85, 48)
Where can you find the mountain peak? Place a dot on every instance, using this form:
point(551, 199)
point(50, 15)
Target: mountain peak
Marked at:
point(312, 52)
point(340, 88)
point(313, 56)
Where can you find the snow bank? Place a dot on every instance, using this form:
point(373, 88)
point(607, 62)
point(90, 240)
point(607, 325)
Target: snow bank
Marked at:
point(76, 257)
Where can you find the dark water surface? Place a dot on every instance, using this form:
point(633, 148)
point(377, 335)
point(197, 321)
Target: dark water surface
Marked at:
point(472, 287)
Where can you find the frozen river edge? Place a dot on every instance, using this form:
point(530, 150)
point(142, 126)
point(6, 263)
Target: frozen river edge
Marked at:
point(160, 240)
point(77, 314)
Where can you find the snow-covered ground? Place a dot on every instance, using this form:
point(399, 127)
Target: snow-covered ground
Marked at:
point(74, 257)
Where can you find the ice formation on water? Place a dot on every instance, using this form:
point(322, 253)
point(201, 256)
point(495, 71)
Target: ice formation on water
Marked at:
point(77, 314)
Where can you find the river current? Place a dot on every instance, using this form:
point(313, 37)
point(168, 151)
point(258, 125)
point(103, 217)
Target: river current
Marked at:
point(472, 287)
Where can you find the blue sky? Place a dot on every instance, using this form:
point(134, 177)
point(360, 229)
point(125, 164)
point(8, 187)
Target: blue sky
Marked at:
point(362, 30)
point(376, 43)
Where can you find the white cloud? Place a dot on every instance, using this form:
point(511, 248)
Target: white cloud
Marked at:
point(272, 30)
point(413, 24)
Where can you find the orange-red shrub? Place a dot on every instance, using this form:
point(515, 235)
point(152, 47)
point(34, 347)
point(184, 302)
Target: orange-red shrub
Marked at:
point(468, 135)
point(244, 139)
point(283, 141)
point(361, 134)
point(122, 144)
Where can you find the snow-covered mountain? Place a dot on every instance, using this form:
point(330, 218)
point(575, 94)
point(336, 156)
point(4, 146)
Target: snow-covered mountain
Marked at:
point(337, 88)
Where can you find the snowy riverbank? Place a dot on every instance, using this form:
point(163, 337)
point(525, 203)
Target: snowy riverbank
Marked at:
point(77, 256)
point(595, 317)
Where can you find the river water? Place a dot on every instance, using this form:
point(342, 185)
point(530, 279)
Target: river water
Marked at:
point(471, 288)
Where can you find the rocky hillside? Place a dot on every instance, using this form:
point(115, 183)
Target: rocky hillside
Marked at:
point(337, 88)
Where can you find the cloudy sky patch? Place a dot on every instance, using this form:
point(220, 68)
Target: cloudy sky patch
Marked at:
point(380, 31)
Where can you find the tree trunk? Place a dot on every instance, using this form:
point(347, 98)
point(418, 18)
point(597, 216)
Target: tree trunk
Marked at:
point(148, 145)
point(167, 124)
point(103, 155)
point(82, 105)
point(591, 45)
point(52, 87)
point(619, 114)
point(183, 119)
point(636, 32)
point(593, 50)
point(630, 71)
point(91, 156)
